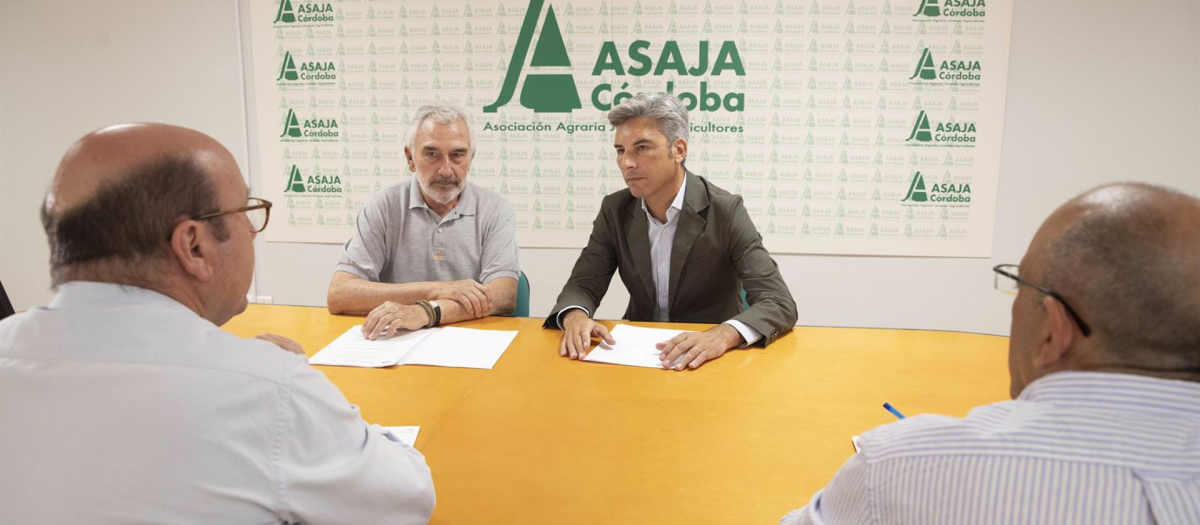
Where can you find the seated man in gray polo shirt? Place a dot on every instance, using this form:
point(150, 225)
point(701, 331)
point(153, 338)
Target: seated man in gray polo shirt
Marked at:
point(435, 249)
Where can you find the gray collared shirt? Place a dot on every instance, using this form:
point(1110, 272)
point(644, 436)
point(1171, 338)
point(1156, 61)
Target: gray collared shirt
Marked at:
point(400, 240)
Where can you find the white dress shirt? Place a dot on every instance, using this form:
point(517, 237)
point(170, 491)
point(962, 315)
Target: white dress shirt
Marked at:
point(662, 240)
point(120, 405)
point(1083, 448)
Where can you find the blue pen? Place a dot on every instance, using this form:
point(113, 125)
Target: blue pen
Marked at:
point(890, 408)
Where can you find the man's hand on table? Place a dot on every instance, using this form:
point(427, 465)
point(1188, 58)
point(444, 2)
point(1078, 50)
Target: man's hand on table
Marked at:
point(578, 331)
point(470, 294)
point(692, 349)
point(282, 342)
point(390, 317)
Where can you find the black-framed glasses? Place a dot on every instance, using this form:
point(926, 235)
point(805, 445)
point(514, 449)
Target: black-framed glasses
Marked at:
point(1008, 281)
point(257, 210)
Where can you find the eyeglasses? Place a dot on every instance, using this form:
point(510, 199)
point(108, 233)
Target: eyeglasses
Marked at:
point(1008, 281)
point(257, 210)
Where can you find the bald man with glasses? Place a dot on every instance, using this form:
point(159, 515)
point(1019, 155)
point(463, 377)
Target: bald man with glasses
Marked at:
point(1104, 360)
point(123, 402)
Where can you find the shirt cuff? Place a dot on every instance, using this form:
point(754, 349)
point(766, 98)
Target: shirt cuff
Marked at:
point(498, 275)
point(355, 271)
point(750, 335)
point(558, 318)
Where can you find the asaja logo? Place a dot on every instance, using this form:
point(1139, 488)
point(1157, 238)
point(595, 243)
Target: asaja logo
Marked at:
point(928, 8)
point(291, 126)
point(317, 12)
point(955, 134)
point(551, 88)
point(952, 9)
point(541, 92)
point(311, 71)
point(314, 183)
point(317, 129)
point(920, 129)
point(925, 68)
point(944, 193)
point(295, 181)
point(916, 189)
point(287, 68)
point(953, 71)
point(285, 14)
point(670, 59)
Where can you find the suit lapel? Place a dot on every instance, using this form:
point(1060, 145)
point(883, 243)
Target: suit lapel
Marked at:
point(691, 224)
point(639, 249)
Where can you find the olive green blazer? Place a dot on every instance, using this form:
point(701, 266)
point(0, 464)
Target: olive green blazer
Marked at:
point(717, 253)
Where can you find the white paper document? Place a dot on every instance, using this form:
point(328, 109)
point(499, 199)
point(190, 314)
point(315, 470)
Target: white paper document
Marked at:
point(461, 347)
point(407, 435)
point(351, 349)
point(448, 346)
point(635, 346)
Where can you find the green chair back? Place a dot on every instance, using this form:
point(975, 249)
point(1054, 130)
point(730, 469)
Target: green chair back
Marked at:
point(522, 309)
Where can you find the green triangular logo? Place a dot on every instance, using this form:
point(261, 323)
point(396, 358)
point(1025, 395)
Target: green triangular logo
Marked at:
point(295, 182)
point(285, 13)
point(925, 67)
point(291, 126)
point(916, 189)
point(287, 68)
point(928, 8)
point(920, 130)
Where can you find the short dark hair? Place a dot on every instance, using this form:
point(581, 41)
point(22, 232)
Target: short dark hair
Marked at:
point(1128, 269)
point(131, 220)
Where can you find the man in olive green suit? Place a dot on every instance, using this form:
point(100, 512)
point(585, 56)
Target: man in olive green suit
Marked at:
point(684, 247)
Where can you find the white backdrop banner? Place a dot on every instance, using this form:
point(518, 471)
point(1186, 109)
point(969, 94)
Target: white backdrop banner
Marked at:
point(849, 126)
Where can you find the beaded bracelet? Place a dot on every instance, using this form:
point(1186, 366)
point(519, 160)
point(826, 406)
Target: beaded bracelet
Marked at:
point(428, 312)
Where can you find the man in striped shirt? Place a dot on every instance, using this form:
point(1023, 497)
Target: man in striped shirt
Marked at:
point(1105, 365)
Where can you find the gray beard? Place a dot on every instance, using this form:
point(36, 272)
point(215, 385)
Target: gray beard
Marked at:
point(440, 196)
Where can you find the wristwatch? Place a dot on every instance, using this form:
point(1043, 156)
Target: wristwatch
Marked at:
point(437, 313)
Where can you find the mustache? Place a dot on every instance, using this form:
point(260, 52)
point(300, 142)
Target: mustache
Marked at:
point(445, 180)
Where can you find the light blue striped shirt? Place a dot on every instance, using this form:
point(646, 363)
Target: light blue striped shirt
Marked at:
point(1075, 447)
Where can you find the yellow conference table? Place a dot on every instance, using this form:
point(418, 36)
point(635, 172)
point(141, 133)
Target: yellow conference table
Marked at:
point(541, 439)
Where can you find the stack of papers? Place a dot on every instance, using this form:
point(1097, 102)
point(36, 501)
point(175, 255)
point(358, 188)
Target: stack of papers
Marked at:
point(636, 346)
point(448, 346)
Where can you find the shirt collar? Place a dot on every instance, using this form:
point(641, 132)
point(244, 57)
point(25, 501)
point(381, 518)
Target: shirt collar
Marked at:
point(415, 200)
point(76, 294)
point(1116, 392)
point(466, 199)
point(676, 204)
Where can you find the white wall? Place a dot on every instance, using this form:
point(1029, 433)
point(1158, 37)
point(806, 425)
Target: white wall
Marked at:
point(69, 67)
point(1098, 92)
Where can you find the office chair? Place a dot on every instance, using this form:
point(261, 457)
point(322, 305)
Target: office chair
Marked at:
point(522, 308)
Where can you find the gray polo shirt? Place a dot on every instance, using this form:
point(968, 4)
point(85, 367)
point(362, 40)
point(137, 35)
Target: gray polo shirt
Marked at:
point(400, 240)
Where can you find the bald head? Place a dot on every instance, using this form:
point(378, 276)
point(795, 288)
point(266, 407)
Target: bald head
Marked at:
point(1127, 257)
point(119, 191)
point(109, 155)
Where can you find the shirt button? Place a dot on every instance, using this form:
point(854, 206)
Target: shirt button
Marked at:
point(439, 230)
